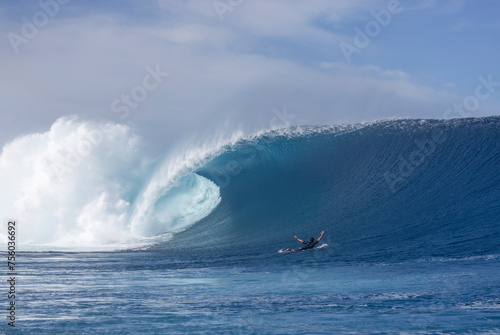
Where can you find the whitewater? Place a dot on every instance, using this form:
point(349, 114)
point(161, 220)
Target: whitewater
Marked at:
point(112, 239)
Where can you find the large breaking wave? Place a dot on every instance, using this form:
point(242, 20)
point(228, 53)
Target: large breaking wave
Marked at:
point(82, 186)
point(393, 187)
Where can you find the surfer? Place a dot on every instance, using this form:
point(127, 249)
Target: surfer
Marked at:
point(308, 245)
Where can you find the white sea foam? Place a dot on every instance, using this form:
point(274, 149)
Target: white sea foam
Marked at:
point(69, 185)
point(82, 187)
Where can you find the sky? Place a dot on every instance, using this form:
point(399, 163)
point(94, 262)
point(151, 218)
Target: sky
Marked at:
point(172, 69)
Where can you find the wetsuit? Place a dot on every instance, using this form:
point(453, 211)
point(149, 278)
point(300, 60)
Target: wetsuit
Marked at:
point(308, 245)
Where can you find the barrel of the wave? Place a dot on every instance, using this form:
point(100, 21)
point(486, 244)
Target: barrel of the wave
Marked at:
point(171, 209)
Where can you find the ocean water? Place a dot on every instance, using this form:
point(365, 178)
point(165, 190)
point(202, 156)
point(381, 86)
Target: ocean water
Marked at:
point(111, 241)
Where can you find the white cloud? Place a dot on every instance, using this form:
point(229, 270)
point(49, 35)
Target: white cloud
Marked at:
point(449, 7)
point(81, 65)
point(438, 7)
point(182, 35)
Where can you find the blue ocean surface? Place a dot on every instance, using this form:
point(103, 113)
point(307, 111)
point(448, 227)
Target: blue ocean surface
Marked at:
point(410, 210)
point(153, 293)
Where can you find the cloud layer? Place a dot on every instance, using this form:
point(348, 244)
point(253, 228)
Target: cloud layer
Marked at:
point(237, 67)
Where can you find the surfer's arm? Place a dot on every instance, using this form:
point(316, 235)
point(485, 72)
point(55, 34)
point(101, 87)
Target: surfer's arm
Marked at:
point(298, 239)
point(322, 233)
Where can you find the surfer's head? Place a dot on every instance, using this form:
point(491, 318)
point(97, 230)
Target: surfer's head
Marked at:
point(311, 239)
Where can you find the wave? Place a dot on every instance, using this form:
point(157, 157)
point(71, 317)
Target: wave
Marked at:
point(423, 187)
point(85, 186)
point(390, 188)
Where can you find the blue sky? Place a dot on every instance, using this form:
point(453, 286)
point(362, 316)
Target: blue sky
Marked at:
point(241, 65)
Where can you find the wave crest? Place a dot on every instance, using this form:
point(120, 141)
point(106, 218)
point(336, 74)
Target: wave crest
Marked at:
point(79, 186)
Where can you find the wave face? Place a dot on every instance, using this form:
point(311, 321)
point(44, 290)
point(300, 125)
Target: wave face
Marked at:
point(404, 187)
